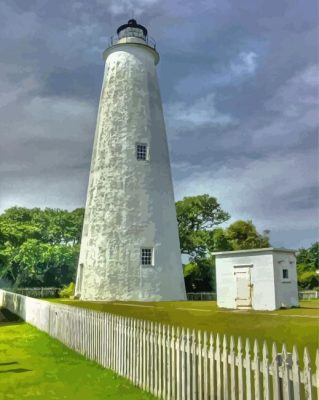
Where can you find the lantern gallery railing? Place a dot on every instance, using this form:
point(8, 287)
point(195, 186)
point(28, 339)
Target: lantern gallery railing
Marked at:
point(173, 363)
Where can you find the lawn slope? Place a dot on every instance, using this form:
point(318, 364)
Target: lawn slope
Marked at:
point(36, 367)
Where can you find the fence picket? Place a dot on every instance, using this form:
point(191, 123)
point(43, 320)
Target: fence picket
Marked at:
point(307, 375)
point(173, 364)
point(194, 381)
point(275, 373)
point(248, 370)
point(265, 370)
point(199, 365)
point(183, 365)
point(205, 367)
point(225, 368)
point(218, 369)
point(160, 360)
point(256, 371)
point(240, 369)
point(232, 359)
point(164, 346)
point(168, 365)
point(285, 374)
point(178, 363)
point(188, 364)
point(211, 367)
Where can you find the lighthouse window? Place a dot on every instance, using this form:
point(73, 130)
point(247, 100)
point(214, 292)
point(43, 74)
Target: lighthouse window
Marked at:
point(141, 151)
point(147, 256)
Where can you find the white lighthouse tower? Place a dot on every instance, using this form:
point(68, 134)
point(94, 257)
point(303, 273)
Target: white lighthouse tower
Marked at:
point(130, 247)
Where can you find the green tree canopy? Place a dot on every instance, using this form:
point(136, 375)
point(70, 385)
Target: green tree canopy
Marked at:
point(243, 235)
point(196, 217)
point(39, 247)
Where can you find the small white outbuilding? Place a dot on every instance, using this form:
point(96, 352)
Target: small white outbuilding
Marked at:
point(259, 279)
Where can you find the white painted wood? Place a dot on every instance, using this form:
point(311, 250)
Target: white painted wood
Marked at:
point(205, 367)
point(199, 365)
point(211, 367)
point(178, 363)
point(194, 363)
point(307, 375)
point(160, 360)
point(256, 371)
point(285, 374)
point(275, 373)
point(183, 364)
point(173, 361)
point(144, 355)
point(232, 360)
point(188, 364)
point(225, 368)
point(240, 364)
point(248, 371)
point(266, 374)
point(218, 369)
point(164, 347)
point(168, 364)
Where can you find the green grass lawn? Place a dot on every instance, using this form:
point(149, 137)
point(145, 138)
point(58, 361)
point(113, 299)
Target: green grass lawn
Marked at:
point(34, 366)
point(299, 326)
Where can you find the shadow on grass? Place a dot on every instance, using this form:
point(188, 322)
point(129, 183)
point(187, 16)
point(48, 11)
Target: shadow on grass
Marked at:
point(15, 370)
point(9, 363)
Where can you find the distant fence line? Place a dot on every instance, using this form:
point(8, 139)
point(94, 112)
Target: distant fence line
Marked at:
point(38, 292)
point(201, 296)
point(308, 294)
point(169, 362)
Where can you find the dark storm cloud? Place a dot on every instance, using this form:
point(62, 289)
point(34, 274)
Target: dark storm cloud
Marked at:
point(239, 87)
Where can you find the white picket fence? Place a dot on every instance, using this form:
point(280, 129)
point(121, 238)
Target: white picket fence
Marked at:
point(173, 363)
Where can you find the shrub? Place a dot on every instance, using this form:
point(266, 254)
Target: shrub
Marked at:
point(308, 280)
point(68, 290)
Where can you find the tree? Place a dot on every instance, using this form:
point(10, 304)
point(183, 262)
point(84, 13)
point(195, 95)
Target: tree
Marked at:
point(39, 247)
point(307, 265)
point(243, 235)
point(196, 216)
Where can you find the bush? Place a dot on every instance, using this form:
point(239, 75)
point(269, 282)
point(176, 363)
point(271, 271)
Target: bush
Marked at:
point(67, 290)
point(308, 280)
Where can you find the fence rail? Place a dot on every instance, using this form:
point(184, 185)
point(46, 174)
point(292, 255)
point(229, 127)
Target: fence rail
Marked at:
point(173, 363)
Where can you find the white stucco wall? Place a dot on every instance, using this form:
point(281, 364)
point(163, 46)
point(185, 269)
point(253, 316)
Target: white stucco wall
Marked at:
point(263, 290)
point(269, 290)
point(286, 289)
point(130, 203)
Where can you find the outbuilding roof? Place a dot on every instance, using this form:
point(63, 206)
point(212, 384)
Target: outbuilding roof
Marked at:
point(271, 249)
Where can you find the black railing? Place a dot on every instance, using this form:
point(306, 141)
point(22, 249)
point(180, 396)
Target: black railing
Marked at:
point(149, 41)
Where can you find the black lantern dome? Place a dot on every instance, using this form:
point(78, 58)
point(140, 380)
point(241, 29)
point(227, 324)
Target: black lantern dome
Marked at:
point(132, 25)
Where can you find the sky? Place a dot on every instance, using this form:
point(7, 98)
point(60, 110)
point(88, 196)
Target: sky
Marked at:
point(239, 85)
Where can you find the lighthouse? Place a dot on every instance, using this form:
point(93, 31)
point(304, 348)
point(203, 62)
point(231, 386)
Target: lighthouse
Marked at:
point(130, 247)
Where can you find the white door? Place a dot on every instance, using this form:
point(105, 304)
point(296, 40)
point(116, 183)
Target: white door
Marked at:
point(243, 287)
